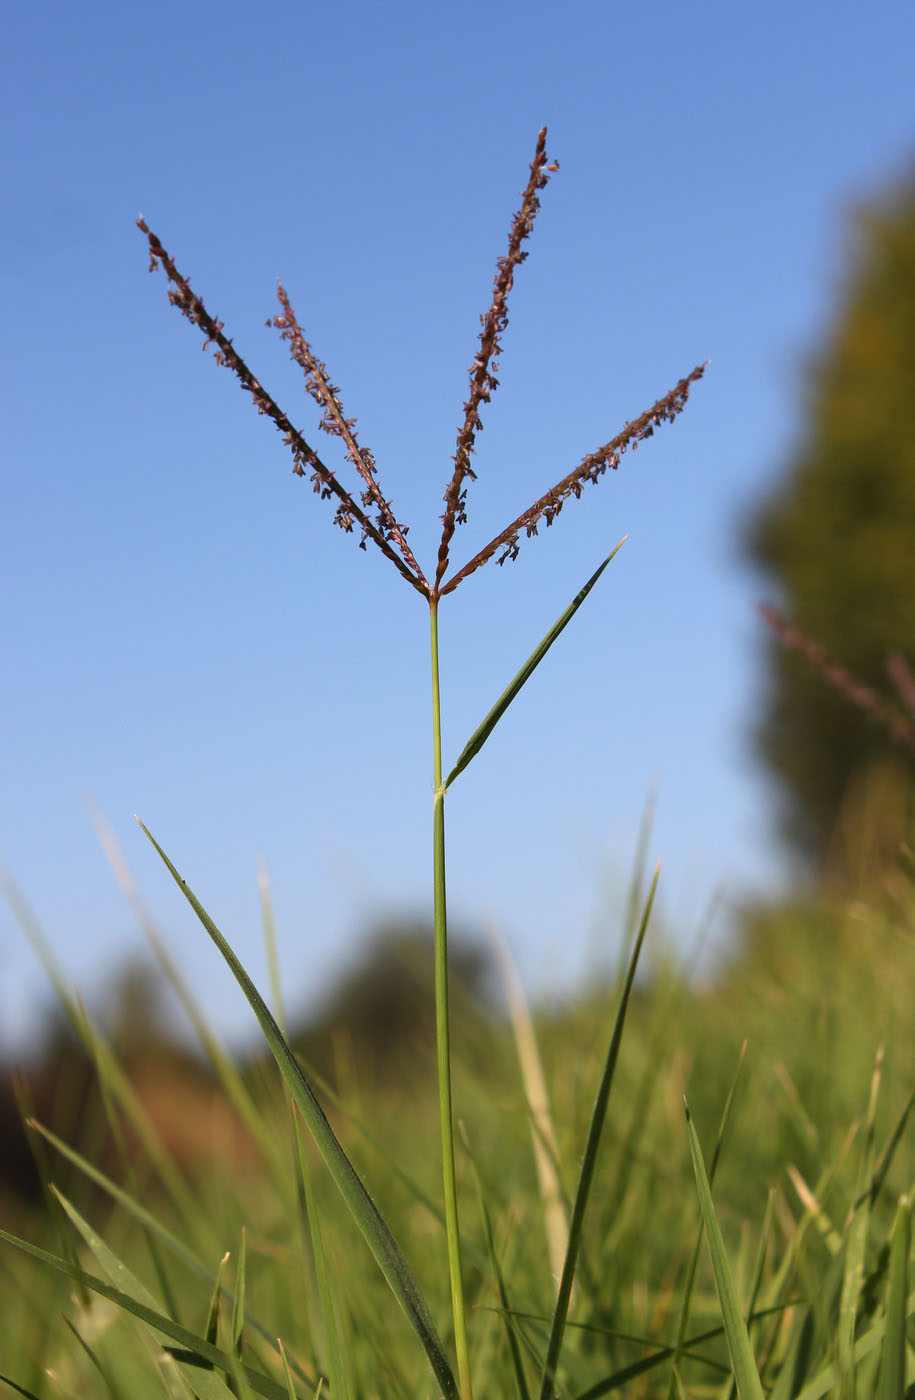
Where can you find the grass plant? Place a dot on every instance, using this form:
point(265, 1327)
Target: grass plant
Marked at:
point(265, 1285)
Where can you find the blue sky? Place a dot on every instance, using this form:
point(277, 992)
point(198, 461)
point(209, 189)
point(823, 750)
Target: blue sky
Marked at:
point(185, 634)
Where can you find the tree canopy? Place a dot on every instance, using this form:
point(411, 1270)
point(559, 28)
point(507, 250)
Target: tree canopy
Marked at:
point(837, 534)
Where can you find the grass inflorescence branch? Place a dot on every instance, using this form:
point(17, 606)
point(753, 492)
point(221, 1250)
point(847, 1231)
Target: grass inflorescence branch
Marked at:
point(900, 728)
point(335, 422)
point(590, 468)
point(483, 381)
point(372, 511)
point(304, 456)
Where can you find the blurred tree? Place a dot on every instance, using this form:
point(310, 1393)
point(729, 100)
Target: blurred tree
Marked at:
point(383, 1005)
point(837, 535)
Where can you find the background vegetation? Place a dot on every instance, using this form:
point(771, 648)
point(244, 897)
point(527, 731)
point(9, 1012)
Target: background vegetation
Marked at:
point(836, 536)
point(223, 1232)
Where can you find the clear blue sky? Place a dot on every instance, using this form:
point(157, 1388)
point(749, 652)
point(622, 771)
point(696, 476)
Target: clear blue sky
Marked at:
point(186, 636)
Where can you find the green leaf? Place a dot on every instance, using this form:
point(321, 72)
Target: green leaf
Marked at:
point(892, 1375)
point(115, 1268)
point(336, 1368)
point(238, 1305)
point(482, 732)
point(204, 1382)
point(286, 1371)
point(505, 1309)
point(738, 1339)
point(197, 1346)
point(828, 1380)
point(20, 1389)
point(212, 1327)
point(586, 1176)
point(361, 1206)
point(694, 1260)
point(94, 1358)
point(150, 1222)
point(856, 1241)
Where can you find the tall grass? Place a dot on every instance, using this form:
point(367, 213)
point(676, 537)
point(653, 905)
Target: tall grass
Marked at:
point(816, 1298)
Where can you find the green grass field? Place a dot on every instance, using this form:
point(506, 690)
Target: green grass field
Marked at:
point(812, 1168)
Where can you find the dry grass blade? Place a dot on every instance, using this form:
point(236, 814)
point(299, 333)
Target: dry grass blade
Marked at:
point(304, 456)
point(543, 1136)
point(483, 379)
point(590, 468)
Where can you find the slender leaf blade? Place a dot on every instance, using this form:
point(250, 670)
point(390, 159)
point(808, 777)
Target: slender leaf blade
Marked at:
point(19, 1389)
point(94, 1358)
point(586, 1175)
point(375, 1231)
point(198, 1346)
point(892, 1375)
point(122, 1277)
point(286, 1371)
point(484, 729)
point(336, 1369)
point(212, 1327)
point(746, 1375)
point(694, 1259)
point(238, 1304)
point(205, 1383)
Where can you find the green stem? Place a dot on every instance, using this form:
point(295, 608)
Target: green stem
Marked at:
point(441, 1029)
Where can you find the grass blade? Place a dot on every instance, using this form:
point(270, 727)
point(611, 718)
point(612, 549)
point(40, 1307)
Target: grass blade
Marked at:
point(892, 1375)
point(694, 1260)
point(122, 1277)
point(543, 1136)
point(238, 1303)
point(212, 1327)
point(150, 1222)
point(203, 1382)
point(482, 732)
point(19, 1389)
point(270, 945)
point(505, 1306)
point(196, 1346)
point(361, 1206)
point(586, 1176)
point(288, 1374)
point(889, 1151)
point(233, 1083)
point(735, 1330)
point(856, 1237)
point(94, 1359)
point(333, 1356)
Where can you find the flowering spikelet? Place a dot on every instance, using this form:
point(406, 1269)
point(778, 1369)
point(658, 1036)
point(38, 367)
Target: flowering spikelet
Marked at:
point(372, 512)
point(483, 381)
point(333, 421)
point(590, 468)
point(304, 456)
point(900, 729)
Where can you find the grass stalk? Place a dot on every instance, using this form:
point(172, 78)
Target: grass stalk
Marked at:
point(442, 1034)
